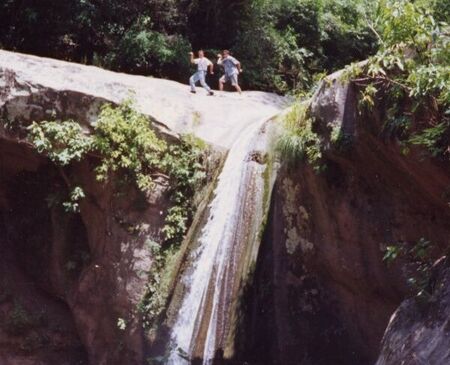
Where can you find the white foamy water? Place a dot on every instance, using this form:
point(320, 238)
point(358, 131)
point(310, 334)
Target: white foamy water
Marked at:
point(208, 279)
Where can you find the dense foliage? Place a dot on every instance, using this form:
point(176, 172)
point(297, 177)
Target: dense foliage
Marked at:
point(124, 143)
point(411, 73)
point(285, 43)
point(282, 43)
point(127, 143)
point(408, 78)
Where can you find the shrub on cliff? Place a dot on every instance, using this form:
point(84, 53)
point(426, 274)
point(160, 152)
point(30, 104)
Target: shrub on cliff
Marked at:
point(298, 141)
point(125, 146)
point(408, 80)
point(411, 72)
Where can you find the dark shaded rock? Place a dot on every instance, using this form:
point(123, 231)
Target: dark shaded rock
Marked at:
point(84, 271)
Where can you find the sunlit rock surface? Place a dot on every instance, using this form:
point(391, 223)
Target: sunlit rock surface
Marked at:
point(33, 86)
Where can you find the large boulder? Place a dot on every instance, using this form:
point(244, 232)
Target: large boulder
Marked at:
point(34, 88)
point(419, 331)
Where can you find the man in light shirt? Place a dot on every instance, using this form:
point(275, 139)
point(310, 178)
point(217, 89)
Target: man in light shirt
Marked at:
point(203, 64)
point(232, 69)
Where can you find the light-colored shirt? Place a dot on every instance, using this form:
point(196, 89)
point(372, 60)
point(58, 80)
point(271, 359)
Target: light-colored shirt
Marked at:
point(229, 63)
point(202, 63)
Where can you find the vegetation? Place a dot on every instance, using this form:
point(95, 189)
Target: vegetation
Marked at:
point(282, 43)
point(158, 285)
point(409, 76)
point(126, 142)
point(185, 163)
point(62, 142)
point(285, 43)
point(418, 261)
point(298, 140)
point(123, 143)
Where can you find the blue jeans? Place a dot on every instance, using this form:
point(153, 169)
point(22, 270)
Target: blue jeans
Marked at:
point(199, 76)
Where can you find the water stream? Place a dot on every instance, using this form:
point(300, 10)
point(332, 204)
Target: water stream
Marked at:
point(223, 255)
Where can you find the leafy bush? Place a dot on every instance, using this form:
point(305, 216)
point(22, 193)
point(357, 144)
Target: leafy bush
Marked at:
point(434, 139)
point(127, 144)
point(298, 140)
point(72, 205)
point(124, 144)
point(63, 142)
point(412, 69)
point(146, 51)
point(184, 161)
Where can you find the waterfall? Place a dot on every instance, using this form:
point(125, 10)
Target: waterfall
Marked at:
point(223, 254)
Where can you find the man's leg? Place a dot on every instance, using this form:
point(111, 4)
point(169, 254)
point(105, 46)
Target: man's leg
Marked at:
point(203, 83)
point(234, 82)
point(193, 80)
point(221, 82)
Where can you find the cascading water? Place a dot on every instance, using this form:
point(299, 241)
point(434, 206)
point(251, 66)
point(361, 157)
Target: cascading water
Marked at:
point(223, 254)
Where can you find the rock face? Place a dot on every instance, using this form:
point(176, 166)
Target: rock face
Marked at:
point(323, 294)
point(419, 332)
point(36, 325)
point(34, 88)
point(67, 280)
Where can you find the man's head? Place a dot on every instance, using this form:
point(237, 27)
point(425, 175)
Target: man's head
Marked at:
point(201, 53)
point(226, 52)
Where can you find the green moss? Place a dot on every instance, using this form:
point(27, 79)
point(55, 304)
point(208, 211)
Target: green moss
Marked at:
point(162, 278)
point(267, 177)
point(340, 140)
point(159, 283)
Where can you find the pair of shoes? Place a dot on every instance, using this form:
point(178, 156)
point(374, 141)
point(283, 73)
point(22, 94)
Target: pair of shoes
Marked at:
point(193, 92)
point(211, 93)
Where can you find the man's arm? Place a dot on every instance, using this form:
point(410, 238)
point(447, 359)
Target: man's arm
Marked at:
point(219, 59)
point(191, 55)
point(237, 64)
